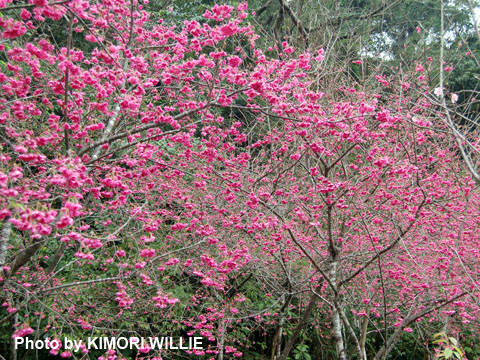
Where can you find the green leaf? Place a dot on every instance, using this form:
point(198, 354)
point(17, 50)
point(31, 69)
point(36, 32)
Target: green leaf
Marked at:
point(458, 350)
point(453, 341)
point(448, 353)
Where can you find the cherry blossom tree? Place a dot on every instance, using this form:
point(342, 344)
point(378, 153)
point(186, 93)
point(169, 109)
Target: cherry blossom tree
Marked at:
point(183, 181)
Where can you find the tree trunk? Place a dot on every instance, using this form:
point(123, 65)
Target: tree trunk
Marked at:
point(337, 323)
point(6, 229)
point(277, 340)
point(222, 339)
point(25, 255)
point(363, 338)
point(13, 350)
point(300, 326)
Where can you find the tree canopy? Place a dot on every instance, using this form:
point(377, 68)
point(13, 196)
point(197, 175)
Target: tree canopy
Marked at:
point(284, 180)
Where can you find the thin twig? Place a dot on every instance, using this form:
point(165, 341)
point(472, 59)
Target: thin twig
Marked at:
point(29, 6)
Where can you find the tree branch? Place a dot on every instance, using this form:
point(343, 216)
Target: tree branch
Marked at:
point(385, 350)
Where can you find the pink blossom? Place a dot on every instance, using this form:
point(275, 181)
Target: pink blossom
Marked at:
point(438, 91)
point(13, 29)
point(65, 221)
point(147, 253)
point(234, 61)
point(25, 15)
point(320, 55)
point(40, 2)
point(172, 261)
point(24, 331)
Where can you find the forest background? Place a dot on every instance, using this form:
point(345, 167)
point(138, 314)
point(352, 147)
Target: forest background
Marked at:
point(286, 179)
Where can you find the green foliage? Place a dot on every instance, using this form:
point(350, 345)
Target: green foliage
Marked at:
point(301, 352)
point(176, 12)
point(449, 347)
point(408, 347)
point(470, 345)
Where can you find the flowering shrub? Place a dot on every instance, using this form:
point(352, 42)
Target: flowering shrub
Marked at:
point(182, 180)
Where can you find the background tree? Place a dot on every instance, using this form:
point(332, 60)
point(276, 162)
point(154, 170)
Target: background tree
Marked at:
point(181, 180)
